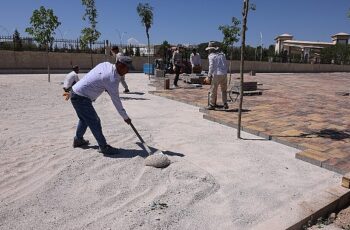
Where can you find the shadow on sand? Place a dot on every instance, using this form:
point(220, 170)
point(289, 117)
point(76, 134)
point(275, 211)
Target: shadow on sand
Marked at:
point(325, 133)
point(132, 98)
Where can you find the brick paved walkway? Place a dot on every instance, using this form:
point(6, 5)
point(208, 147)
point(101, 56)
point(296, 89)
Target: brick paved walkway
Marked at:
point(305, 110)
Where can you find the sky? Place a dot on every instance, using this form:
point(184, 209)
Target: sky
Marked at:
point(187, 21)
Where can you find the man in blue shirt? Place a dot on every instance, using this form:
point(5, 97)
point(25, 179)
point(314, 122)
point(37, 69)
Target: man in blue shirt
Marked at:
point(104, 77)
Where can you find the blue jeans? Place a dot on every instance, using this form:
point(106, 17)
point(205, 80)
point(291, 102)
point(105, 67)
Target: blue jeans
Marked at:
point(87, 118)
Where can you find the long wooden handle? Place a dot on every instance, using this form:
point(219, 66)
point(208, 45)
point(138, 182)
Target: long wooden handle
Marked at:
point(148, 150)
point(137, 133)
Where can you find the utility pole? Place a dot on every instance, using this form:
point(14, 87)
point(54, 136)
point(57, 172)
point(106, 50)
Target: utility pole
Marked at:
point(261, 45)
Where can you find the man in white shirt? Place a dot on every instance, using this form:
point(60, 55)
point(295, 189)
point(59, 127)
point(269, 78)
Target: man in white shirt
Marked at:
point(218, 73)
point(195, 60)
point(117, 54)
point(69, 81)
point(104, 77)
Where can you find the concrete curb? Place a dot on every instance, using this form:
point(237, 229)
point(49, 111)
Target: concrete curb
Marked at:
point(308, 210)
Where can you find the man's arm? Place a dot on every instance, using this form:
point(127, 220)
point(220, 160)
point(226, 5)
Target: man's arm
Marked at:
point(211, 66)
point(113, 92)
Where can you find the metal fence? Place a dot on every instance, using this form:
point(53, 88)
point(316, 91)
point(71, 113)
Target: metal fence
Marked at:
point(63, 45)
point(58, 45)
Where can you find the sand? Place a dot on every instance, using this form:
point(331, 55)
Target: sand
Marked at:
point(215, 181)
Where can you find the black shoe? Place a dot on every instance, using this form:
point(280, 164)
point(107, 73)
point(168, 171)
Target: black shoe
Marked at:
point(108, 150)
point(210, 107)
point(225, 106)
point(126, 91)
point(80, 142)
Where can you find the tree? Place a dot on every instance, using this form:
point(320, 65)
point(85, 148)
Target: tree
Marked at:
point(90, 34)
point(44, 23)
point(337, 54)
point(17, 41)
point(131, 50)
point(245, 11)
point(231, 35)
point(137, 52)
point(162, 51)
point(145, 12)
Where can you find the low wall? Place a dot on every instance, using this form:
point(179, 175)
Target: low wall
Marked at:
point(36, 62)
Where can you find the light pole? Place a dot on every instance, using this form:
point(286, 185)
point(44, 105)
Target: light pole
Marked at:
point(121, 35)
point(261, 43)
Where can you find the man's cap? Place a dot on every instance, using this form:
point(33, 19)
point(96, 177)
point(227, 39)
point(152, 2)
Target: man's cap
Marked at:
point(115, 48)
point(126, 60)
point(212, 46)
point(75, 67)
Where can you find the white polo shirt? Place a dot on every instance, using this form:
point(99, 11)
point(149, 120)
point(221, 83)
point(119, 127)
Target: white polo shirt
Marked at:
point(103, 77)
point(71, 78)
point(217, 64)
point(195, 59)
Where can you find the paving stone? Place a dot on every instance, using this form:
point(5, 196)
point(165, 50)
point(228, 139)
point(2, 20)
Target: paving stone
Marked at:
point(299, 110)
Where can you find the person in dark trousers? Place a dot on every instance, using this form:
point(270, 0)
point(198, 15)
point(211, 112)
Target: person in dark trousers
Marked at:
point(104, 77)
point(117, 54)
point(177, 64)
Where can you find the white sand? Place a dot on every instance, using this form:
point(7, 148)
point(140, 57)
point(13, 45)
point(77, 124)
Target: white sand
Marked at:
point(214, 182)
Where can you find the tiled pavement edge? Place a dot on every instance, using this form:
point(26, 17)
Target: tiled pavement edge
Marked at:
point(308, 111)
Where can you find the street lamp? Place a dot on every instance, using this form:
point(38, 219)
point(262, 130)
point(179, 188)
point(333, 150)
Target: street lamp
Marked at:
point(261, 43)
point(121, 35)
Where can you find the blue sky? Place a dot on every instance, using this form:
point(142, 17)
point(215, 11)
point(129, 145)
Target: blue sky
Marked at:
point(188, 21)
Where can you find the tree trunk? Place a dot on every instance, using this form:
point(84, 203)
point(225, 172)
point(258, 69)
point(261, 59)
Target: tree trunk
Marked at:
point(244, 27)
point(149, 57)
point(92, 61)
point(231, 60)
point(48, 63)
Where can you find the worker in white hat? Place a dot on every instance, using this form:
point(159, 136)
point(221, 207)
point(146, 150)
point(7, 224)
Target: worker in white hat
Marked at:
point(218, 74)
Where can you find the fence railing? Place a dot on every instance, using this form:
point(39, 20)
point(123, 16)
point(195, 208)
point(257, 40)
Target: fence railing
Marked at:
point(63, 45)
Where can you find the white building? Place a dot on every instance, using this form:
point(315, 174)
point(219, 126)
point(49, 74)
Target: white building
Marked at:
point(309, 50)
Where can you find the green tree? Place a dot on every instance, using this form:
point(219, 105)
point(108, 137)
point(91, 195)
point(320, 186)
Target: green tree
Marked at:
point(231, 35)
point(90, 34)
point(17, 41)
point(163, 48)
point(44, 23)
point(145, 12)
point(137, 52)
point(131, 50)
point(338, 54)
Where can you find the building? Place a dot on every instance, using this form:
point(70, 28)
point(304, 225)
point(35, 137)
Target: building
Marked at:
point(309, 51)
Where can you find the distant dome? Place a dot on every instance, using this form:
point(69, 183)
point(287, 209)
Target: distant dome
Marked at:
point(133, 41)
point(286, 35)
point(341, 33)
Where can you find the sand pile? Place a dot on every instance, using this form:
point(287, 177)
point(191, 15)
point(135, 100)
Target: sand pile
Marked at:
point(214, 181)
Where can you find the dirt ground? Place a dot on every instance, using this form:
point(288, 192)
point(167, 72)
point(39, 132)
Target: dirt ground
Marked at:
point(334, 221)
point(215, 181)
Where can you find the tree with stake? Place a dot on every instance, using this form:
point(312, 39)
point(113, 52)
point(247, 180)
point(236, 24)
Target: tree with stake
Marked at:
point(44, 23)
point(90, 34)
point(246, 7)
point(145, 12)
point(231, 35)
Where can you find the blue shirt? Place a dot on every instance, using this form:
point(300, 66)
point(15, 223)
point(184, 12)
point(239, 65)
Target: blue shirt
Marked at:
point(103, 77)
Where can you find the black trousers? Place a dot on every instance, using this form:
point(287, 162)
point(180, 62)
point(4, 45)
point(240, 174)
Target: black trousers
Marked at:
point(177, 74)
